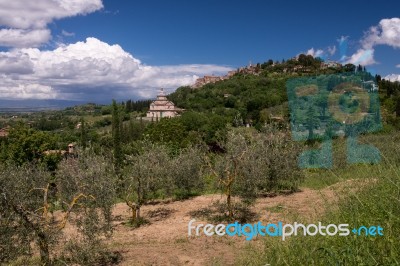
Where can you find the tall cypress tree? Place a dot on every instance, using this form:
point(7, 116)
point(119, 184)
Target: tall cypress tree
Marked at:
point(397, 107)
point(116, 136)
point(83, 134)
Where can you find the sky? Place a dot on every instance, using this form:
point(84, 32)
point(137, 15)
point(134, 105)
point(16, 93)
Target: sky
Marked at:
point(97, 50)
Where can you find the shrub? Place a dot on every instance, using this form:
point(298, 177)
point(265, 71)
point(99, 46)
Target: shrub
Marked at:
point(28, 194)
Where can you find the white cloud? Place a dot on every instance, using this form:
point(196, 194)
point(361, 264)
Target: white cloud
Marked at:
point(23, 38)
point(393, 77)
point(363, 57)
point(322, 53)
point(25, 22)
point(27, 91)
point(331, 50)
point(342, 39)
point(22, 14)
point(67, 34)
point(398, 66)
point(15, 63)
point(387, 32)
point(90, 70)
point(315, 53)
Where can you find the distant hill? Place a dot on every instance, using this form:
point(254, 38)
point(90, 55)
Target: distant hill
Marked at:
point(255, 92)
point(35, 105)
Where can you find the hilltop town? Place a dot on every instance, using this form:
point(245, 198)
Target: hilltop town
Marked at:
point(251, 69)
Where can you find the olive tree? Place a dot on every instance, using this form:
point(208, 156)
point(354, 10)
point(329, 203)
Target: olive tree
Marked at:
point(87, 193)
point(254, 163)
point(23, 212)
point(228, 167)
point(155, 171)
point(186, 171)
point(277, 157)
point(145, 174)
point(28, 195)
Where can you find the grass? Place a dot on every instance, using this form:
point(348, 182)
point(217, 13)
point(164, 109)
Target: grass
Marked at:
point(182, 240)
point(319, 178)
point(217, 212)
point(276, 209)
point(341, 171)
point(373, 203)
point(33, 261)
point(216, 261)
point(137, 222)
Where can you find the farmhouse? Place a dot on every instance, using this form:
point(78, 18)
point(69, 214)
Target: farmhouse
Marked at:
point(4, 131)
point(70, 152)
point(161, 107)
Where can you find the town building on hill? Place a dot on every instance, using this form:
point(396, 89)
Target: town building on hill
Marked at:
point(330, 64)
point(250, 69)
point(207, 79)
point(4, 131)
point(162, 107)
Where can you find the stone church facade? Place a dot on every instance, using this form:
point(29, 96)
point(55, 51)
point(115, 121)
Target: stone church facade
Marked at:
point(162, 107)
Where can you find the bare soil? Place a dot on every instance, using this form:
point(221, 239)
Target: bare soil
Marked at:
point(165, 240)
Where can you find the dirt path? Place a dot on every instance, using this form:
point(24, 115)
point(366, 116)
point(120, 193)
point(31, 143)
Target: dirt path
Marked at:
point(165, 240)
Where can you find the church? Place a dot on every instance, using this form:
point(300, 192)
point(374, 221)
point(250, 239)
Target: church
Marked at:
point(161, 107)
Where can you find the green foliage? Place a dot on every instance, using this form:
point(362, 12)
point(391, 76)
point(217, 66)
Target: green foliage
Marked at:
point(116, 136)
point(369, 197)
point(51, 161)
point(217, 213)
point(132, 131)
point(83, 134)
point(372, 205)
point(186, 171)
point(191, 128)
point(208, 126)
point(309, 60)
point(28, 194)
point(248, 95)
point(137, 222)
point(87, 254)
point(138, 106)
point(154, 171)
point(144, 175)
point(19, 190)
point(106, 121)
point(24, 145)
point(168, 131)
point(52, 122)
point(106, 110)
point(390, 100)
point(254, 163)
point(92, 178)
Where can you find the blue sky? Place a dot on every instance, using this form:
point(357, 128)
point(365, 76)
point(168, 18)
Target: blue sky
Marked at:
point(93, 49)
